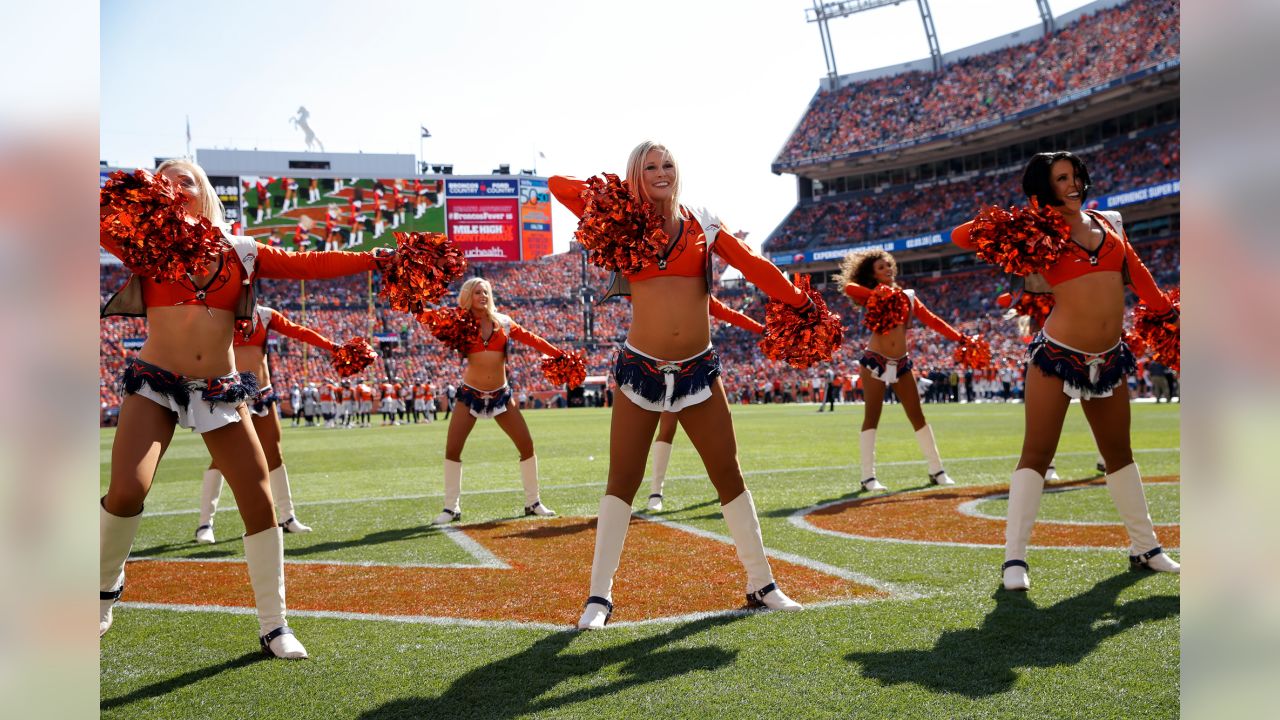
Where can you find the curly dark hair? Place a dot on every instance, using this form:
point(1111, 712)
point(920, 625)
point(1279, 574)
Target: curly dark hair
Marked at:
point(860, 267)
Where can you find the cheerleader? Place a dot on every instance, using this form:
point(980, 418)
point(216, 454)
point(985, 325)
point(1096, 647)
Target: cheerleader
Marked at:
point(251, 354)
point(185, 374)
point(485, 393)
point(1080, 354)
point(886, 363)
point(669, 320)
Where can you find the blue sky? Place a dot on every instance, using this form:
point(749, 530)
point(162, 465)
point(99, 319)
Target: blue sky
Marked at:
point(721, 82)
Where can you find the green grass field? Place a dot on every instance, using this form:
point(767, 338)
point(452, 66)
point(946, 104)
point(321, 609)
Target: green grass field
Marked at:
point(1089, 640)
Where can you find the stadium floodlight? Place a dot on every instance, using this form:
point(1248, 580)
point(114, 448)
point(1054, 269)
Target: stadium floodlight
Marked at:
point(822, 13)
point(1046, 16)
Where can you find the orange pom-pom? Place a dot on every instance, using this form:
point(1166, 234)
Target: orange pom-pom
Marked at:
point(1020, 240)
point(973, 352)
point(453, 326)
point(620, 232)
point(146, 216)
point(353, 357)
point(1136, 344)
point(1036, 306)
point(568, 369)
point(420, 271)
point(1160, 331)
point(887, 308)
point(798, 338)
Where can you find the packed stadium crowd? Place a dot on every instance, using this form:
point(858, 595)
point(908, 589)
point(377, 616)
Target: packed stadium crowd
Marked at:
point(1093, 50)
point(917, 209)
point(543, 296)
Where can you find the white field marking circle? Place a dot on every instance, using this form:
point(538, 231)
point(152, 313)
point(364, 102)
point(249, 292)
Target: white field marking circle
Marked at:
point(800, 520)
point(970, 508)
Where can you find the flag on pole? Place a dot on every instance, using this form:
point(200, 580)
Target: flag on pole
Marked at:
point(188, 128)
point(544, 157)
point(425, 132)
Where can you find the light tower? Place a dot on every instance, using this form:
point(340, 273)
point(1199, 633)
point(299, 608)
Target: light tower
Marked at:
point(825, 12)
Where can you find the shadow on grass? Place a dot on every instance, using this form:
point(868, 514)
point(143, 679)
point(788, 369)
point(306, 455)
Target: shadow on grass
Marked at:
point(515, 686)
point(980, 662)
point(233, 548)
point(375, 538)
point(177, 683)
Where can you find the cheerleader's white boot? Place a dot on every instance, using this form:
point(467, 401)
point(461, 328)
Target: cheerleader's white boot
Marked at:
point(661, 453)
point(279, 479)
point(611, 534)
point(744, 527)
point(929, 448)
point(452, 511)
point(115, 539)
point(1145, 553)
point(1025, 488)
point(867, 454)
point(210, 491)
point(529, 478)
point(264, 554)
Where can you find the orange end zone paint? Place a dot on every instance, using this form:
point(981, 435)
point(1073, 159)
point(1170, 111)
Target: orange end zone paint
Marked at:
point(665, 572)
point(934, 517)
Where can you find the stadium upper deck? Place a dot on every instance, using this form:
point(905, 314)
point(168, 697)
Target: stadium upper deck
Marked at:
point(1108, 60)
point(895, 157)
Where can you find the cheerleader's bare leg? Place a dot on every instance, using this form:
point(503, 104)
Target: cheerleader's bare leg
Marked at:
point(237, 452)
point(142, 437)
point(909, 395)
point(514, 425)
point(629, 426)
point(709, 426)
point(873, 393)
point(1046, 408)
point(661, 454)
point(1109, 418)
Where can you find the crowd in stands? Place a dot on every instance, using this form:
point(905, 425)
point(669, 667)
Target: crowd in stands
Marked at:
point(1092, 50)
point(910, 210)
point(965, 299)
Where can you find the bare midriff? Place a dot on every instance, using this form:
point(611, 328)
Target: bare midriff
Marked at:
point(669, 317)
point(1088, 312)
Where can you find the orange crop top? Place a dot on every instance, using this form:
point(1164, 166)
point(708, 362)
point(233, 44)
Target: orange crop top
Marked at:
point(686, 255)
point(497, 341)
point(242, 260)
point(1115, 254)
point(860, 294)
point(270, 319)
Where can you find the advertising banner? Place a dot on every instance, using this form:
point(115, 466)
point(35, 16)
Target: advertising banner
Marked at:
point(535, 218)
point(486, 228)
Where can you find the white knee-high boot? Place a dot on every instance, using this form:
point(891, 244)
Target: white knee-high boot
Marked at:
point(929, 448)
point(529, 478)
point(867, 453)
point(1125, 486)
point(1025, 488)
point(264, 554)
point(279, 479)
point(210, 491)
point(661, 452)
point(611, 534)
point(744, 527)
point(115, 539)
point(452, 492)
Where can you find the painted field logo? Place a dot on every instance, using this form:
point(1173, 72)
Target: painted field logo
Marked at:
point(950, 517)
point(524, 572)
